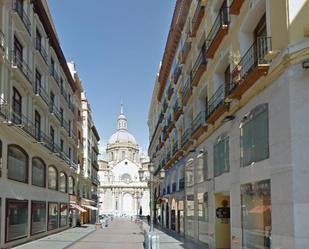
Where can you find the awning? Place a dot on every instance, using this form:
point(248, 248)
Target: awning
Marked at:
point(90, 207)
point(78, 207)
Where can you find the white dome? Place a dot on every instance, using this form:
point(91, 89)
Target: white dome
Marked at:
point(122, 136)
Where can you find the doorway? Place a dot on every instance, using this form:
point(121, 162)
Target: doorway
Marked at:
point(222, 221)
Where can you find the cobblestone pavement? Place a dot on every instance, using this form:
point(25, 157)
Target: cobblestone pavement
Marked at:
point(60, 240)
point(120, 234)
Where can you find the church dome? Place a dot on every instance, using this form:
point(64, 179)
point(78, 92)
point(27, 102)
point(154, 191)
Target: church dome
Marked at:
point(122, 135)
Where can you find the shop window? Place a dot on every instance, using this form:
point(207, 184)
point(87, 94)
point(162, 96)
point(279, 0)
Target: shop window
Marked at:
point(17, 164)
point(254, 136)
point(17, 219)
point(38, 217)
point(52, 178)
point(221, 155)
point(71, 185)
point(52, 216)
point(256, 215)
point(62, 182)
point(38, 172)
point(63, 214)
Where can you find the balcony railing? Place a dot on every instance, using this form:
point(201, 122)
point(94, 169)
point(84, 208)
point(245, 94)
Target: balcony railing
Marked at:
point(198, 16)
point(55, 111)
point(217, 32)
point(54, 74)
point(18, 7)
point(63, 93)
point(177, 73)
point(181, 184)
point(198, 124)
point(251, 67)
point(22, 66)
point(199, 67)
point(4, 108)
point(235, 6)
point(187, 91)
point(186, 136)
point(216, 105)
point(39, 47)
point(40, 91)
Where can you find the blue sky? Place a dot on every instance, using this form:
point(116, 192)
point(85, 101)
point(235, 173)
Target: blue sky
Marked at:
point(117, 46)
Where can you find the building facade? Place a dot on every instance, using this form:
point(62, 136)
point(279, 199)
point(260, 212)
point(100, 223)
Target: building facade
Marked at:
point(122, 191)
point(226, 123)
point(42, 182)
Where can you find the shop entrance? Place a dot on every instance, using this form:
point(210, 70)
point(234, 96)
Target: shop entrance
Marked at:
point(223, 223)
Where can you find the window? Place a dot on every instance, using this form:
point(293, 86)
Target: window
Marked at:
point(202, 199)
point(38, 217)
point(61, 115)
point(52, 99)
point(37, 125)
point(62, 182)
point(52, 66)
point(69, 128)
point(52, 178)
point(71, 185)
point(38, 40)
point(52, 135)
point(17, 164)
point(17, 106)
point(63, 214)
point(123, 155)
point(38, 79)
point(61, 145)
point(202, 167)
point(38, 172)
point(70, 154)
point(19, 7)
point(256, 214)
point(17, 219)
point(18, 52)
point(254, 136)
point(221, 155)
point(52, 216)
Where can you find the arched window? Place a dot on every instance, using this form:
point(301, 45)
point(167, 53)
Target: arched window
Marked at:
point(16, 106)
point(52, 178)
point(62, 182)
point(17, 164)
point(71, 185)
point(38, 172)
point(126, 178)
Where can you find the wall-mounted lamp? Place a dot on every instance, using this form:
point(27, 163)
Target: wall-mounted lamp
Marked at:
point(228, 118)
point(306, 64)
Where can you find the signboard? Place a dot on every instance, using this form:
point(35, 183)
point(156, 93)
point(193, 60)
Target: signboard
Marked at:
point(223, 213)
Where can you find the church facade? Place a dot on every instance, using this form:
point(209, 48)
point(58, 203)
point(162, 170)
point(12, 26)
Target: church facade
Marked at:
point(122, 191)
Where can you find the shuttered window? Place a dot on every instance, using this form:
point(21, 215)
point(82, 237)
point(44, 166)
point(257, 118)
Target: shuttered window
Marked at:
point(254, 136)
point(221, 155)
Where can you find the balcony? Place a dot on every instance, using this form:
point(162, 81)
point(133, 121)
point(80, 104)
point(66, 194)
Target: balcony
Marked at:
point(199, 67)
point(217, 33)
point(182, 184)
point(187, 91)
point(4, 109)
point(53, 73)
point(176, 74)
point(177, 110)
point(185, 51)
point(42, 51)
point(216, 105)
point(18, 7)
point(41, 92)
point(198, 17)
point(235, 6)
point(251, 68)
point(170, 91)
point(22, 65)
point(186, 139)
point(55, 112)
point(199, 125)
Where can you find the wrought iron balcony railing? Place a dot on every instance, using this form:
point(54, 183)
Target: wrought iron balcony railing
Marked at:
point(199, 66)
point(199, 121)
point(187, 91)
point(4, 108)
point(22, 66)
point(40, 91)
point(39, 47)
point(54, 74)
point(55, 111)
point(186, 136)
point(216, 100)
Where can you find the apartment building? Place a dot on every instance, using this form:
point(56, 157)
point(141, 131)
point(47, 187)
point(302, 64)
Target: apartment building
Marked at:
point(227, 124)
point(41, 132)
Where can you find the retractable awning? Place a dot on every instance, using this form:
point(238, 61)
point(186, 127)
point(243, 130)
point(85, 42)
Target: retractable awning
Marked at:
point(78, 207)
point(90, 207)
